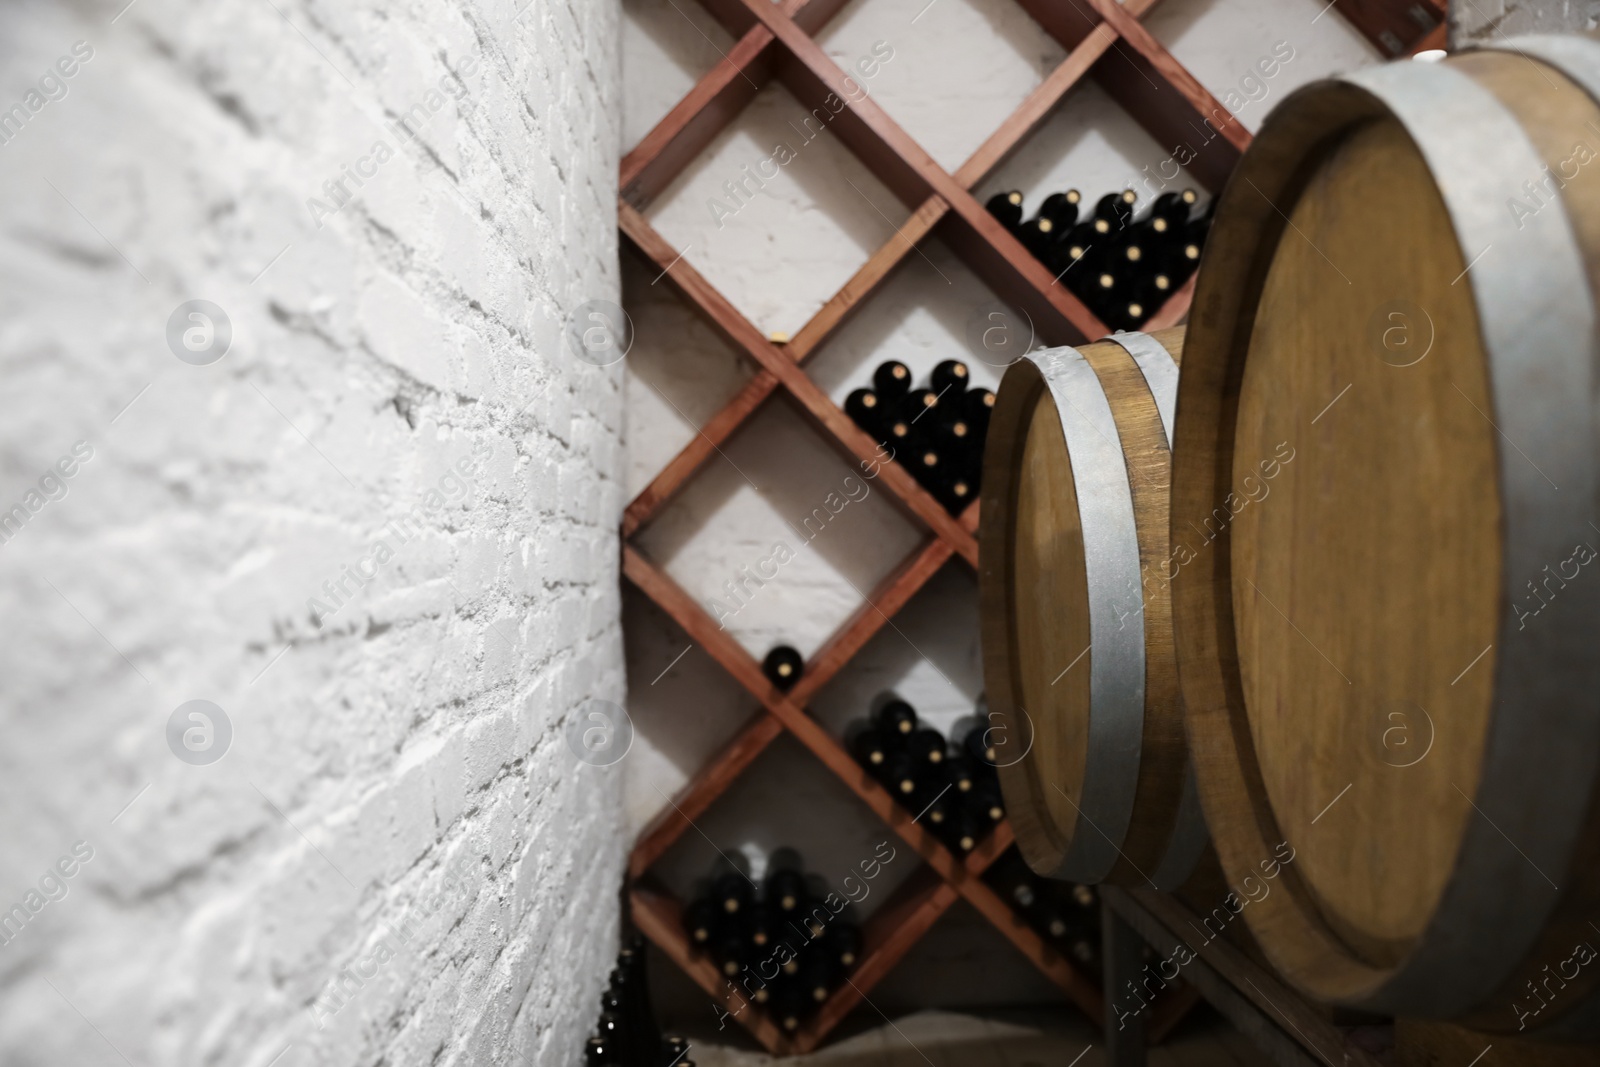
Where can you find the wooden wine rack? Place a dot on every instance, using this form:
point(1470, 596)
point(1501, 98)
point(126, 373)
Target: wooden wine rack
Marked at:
point(1103, 40)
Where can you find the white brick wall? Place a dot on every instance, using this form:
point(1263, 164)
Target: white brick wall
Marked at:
point(1492, 21)
point(397, 812)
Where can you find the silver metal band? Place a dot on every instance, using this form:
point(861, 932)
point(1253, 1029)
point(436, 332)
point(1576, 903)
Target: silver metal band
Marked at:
point(1116, 658)
point(1578, 58)
point(1160, 373)
point(1538, 328)
point(1189, 836)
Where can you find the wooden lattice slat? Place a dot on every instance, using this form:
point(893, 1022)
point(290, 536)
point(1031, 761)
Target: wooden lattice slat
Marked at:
point(845, 434)
point(887, 598)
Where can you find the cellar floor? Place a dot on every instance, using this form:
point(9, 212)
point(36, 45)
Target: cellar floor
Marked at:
point(995, 1039)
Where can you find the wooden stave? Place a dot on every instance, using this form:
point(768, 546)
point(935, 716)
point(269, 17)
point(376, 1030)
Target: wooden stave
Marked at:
point(1431, 982)
point(1146, 828)
point(1188, 838)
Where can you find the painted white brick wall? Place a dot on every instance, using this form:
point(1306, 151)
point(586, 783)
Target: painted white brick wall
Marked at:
point(397, 860)
point(1491, 21)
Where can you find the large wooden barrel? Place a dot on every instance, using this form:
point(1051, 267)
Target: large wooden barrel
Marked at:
point(1384, 521)
point(1077, 636)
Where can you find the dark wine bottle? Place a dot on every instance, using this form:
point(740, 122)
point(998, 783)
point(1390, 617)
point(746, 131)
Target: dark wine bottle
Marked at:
point(900, 434)
point(969, 461)
point(954, 438)
point(895, 717)
point(1130, 201)
point(1115, 210)
point(1103, 296)
point(932, 805)
point(1122, 314)
point(892, 380)
point(961, 831)
point(1157, 235)
point(956, 492)
point(926, 466)
point(731, 892)
point(842, 941)
point(1051, 922)
point(1174, 207)
point(1079, 248)
point(620, 1032)
point(817, 975)
point(865, 410)
point(1154, 289)
point(1191, 257)
point(817, 915)
point(611, 1034)
point(947, 412)
point(789, 1004)
point(1062, 209)
point(976, 406)
point(949, 380)
point(646, 1032)
point(1007, 208)
point(985, 802)
point(673, 1050)
point(1082, 251)
point(899, 775)
point(1182, 261)
point(871, 746)
point(785, 883)
point(782, 667)
point(958, 771)
point(700, 919)
point(731, 951)
point(927, 746)
point(759, 926)
point(919, 408)
point(1108, 209)
point(1038, 235)
point(978, 745)
point(1127, 258)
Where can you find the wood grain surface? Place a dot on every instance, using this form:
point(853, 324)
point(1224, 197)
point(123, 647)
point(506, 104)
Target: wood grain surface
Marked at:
point(1366, 576)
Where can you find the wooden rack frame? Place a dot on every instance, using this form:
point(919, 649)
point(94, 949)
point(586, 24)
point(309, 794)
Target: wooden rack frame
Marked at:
point(1275, 1019)
point(1102, 39)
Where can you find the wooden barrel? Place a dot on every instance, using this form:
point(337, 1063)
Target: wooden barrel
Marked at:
point(1077, 633)
point(1384, 519)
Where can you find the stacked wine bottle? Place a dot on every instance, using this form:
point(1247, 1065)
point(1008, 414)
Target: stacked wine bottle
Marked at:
point(782, 666)
point(1121, 264)
point(952, 789)
point(1064, 914)
point(937, 432)
point(628, 1035)
point(782, 950)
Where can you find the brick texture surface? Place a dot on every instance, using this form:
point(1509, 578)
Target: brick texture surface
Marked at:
point(378, 533)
